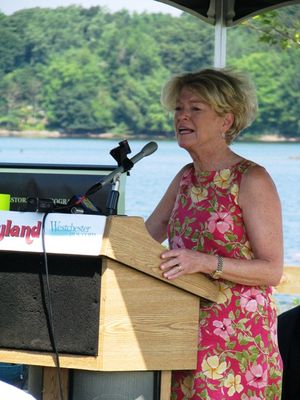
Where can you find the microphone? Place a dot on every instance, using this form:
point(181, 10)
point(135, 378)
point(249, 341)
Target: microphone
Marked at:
point(148, 149)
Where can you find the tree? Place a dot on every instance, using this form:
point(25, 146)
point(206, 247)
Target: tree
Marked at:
point(76, 97)
point(11, 47)
point(89, 70)
point(278, 28)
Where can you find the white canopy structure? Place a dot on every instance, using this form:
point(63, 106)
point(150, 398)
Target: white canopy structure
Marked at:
point(225, 13)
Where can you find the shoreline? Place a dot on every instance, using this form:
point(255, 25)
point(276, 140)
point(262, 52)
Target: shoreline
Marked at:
point(57, 134)
point(268, 138)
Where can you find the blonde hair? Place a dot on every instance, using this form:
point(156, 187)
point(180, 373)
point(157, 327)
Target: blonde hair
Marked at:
point(224, 90)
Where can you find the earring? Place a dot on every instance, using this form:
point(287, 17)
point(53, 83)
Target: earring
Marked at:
point(223, 134)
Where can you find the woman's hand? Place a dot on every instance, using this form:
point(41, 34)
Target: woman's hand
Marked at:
point(182, 261)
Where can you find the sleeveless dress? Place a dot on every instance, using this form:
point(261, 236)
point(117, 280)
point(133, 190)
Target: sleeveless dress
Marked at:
point(238, 356)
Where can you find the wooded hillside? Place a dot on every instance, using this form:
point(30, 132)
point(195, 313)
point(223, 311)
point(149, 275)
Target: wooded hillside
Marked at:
point(88, 70)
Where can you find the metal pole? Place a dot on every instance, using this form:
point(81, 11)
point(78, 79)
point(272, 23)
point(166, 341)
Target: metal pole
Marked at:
point(220, 35)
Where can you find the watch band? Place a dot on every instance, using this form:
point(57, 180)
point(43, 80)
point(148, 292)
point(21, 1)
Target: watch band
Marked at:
point(219, 270)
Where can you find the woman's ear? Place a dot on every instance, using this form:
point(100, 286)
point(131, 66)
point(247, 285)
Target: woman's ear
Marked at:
point(228, 121)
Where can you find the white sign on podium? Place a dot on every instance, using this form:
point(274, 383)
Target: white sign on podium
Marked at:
point(63, 233)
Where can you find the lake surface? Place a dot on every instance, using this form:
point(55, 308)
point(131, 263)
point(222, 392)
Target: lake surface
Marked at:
point(151, 176)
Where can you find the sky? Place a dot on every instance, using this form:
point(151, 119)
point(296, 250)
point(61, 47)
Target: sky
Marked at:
point(9, 7)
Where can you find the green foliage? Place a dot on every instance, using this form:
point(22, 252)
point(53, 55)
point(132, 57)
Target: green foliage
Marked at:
point(73, 90)
point(274, 68)
point(11, 48)
point(88, 70)
point(278, 28)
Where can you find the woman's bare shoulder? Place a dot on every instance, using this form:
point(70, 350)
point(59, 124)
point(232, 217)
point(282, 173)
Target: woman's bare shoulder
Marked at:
point(184, 169)
point(257, 183)
point(256, 173)
point(174, 185)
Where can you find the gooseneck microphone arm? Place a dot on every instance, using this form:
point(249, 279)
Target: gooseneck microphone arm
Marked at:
point(112, 202)
point(148, 149)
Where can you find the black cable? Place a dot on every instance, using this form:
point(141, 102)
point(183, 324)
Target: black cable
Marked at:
point(49, 309)
point(156, 385)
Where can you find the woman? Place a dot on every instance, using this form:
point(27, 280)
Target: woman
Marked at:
point(222, 216)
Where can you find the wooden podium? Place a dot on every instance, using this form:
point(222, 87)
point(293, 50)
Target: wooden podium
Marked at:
point(146, 322)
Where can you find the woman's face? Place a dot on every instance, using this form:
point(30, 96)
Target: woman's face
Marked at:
point(196, 123)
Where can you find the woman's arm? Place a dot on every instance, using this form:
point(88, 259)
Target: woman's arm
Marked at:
point(262, 217)
point(157, 222)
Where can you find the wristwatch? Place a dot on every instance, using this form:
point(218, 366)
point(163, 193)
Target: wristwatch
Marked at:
point(219, 270)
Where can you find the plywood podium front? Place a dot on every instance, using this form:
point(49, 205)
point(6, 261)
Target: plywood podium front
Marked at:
point(146, 323)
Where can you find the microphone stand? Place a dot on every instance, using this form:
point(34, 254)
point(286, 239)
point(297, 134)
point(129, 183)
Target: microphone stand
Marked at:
point(112, 202)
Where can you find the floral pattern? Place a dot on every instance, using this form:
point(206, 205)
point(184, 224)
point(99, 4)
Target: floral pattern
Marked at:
point(238, 356)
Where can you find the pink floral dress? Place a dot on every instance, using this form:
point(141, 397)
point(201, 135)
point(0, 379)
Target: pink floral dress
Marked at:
point(238, 356)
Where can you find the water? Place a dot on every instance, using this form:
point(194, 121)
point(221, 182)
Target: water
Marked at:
point(150, 178)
